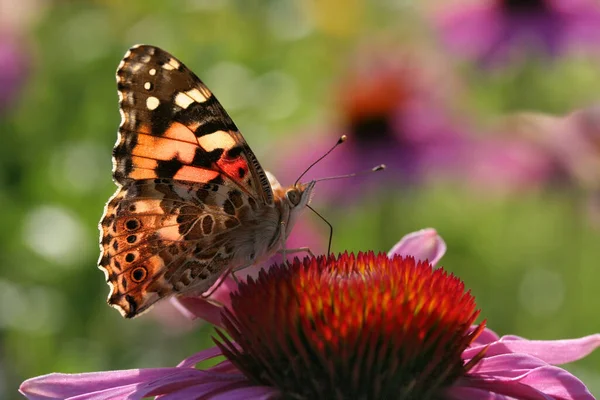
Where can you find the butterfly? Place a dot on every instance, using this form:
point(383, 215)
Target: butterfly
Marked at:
point(192, 202)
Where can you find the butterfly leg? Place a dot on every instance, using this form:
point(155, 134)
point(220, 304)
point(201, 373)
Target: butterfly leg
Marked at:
point(235, 278)
point(298, 250)
point(283, 240)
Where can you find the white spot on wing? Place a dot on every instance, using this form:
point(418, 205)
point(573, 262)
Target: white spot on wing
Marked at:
point(152, 72)
point(152, 102)
point(183, 100)
point(174, 63)
point(197, 95)
point(216, 140)
point(169, 66)
point(147, 85)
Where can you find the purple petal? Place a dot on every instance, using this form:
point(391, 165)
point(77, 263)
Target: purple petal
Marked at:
point(546, 382)
point(423, 245)
point(252, 392)
point(207, 354)
point(198, 307)
point(506, 365)
point(550, 351)
point(468, 393)
point(206, 383)
point(487, 336)
point(94, 385)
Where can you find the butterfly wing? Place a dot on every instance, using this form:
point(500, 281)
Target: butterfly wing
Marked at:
point(185, 176)
point(173, 127)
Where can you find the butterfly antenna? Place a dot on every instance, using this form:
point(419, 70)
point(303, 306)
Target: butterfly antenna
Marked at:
point(341, 140)
point(380, 167)
point(330, 228)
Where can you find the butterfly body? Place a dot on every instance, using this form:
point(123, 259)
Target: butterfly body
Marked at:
point(192, 201)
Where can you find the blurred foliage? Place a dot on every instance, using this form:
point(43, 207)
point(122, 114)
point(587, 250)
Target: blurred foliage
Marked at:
point(531, 259)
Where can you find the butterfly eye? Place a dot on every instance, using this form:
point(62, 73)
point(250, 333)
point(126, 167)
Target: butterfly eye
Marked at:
point(293, 196)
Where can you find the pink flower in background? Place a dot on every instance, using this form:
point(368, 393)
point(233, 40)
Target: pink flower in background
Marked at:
point(13, 69)
point(490, 30)
point(507, 166)
point(390, 108)
point(364, 326)
point(576, 140)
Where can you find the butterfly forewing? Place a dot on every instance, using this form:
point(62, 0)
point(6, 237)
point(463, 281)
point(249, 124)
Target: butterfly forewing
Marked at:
point(173, 127)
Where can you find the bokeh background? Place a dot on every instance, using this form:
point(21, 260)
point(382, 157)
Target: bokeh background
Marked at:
point(483, 111)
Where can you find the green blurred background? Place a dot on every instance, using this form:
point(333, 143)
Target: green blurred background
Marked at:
point(530, 255)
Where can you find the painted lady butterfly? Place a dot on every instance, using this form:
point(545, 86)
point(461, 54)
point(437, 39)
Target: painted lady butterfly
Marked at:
point(192, 201)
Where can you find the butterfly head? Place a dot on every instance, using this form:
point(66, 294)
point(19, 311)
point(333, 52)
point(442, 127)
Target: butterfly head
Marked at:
point(291, 200)
point(299, 195)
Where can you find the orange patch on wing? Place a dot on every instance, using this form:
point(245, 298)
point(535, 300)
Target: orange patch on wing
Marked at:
point(141, 173)
point(160, 148)
point(145, 163)
point(144, 128)
point(195, 174)
point(178, 131)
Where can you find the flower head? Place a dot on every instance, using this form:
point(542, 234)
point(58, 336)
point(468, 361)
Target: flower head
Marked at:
point(362, 326)
point(490, 30)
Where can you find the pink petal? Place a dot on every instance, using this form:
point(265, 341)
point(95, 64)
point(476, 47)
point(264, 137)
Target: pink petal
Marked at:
point(547, 382)
point(197, 307)
point(506, 365)
point(423, 245)
point(205, 382)
point(550, 351)
point(209, 309)
point(467, 393)
point(485, 337)
point(207, 354)
point(204, 390)
point(185, 377)
point(253, 392)
point(94, 385)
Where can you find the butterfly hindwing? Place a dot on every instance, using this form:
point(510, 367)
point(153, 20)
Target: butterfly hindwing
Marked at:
point(161, 237)
point(173, 127)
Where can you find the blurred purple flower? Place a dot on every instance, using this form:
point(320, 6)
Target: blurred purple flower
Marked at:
point(575, 139)
point(391, 109)
point(490, 30)
point(361, 343)
point(506, 166)
point(13, 70)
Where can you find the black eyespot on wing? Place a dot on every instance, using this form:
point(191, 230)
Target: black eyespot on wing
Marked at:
point(132, 224)
point(139, 274)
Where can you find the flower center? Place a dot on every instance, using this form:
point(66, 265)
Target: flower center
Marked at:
point(524, 6)
point(370, 105)
point(360, 326)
